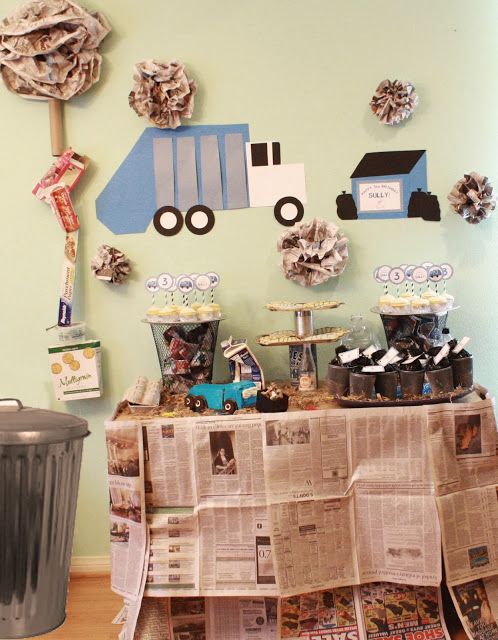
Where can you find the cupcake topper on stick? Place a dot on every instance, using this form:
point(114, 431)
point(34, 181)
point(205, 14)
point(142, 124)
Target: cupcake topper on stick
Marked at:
point(152, 287)
point(49, 51)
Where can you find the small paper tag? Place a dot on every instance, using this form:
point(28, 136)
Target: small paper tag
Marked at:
point(412, 359)
point(371, 349)
point(385, 360)
point(349, 356)
point(461, 344)
point(396, 359)
point(373, 369)
point(443, 352)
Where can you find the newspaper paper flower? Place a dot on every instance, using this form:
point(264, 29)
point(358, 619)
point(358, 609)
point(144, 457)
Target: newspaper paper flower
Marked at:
point(162, 93)
point(394, 101)
point(473, 197)
point(312, 252)
point(111, 265)
point(48, 49)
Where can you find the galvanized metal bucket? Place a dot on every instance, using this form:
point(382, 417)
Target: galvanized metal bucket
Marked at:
point(40, 459)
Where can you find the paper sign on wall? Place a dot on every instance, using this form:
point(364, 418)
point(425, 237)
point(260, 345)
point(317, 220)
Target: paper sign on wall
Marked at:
point(389, 184)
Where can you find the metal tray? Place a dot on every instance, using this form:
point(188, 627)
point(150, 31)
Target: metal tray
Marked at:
point(449, 397)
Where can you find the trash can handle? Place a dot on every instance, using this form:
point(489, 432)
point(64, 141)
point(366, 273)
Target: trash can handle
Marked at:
point(19, 403)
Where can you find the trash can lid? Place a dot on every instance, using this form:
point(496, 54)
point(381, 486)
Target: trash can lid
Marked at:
point(21, 425)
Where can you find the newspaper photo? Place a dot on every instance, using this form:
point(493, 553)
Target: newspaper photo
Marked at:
point(128, 533)
point(476, 603)
point(401, 612)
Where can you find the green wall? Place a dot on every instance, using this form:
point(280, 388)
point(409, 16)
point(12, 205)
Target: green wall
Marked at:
point(298, 72)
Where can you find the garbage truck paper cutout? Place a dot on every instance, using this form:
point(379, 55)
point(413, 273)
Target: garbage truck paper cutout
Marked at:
point(198, 170)
point(389, 184)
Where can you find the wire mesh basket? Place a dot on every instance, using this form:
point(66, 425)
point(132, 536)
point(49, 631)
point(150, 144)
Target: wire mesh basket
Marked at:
point(426, 328)
point(186, 352)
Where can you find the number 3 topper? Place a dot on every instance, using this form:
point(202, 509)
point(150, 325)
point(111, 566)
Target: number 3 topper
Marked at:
point(418, 273)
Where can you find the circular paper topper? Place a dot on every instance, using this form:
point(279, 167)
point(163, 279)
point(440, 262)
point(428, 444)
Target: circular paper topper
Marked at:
point(382, 273)
point(203, 282)
point(419, 275)
point(185, 283)
point(435, 273)
point(447, 271)
point(165, 281)
point(409, 271)
point(151, 285)
point(215, 279)
point(397, 275)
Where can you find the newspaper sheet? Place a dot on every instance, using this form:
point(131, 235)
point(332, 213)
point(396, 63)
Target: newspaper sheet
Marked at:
point(229, 457)
point(350, 498)
point(236, 555)
point(169, 463)
point(397, 533)
point(174, 552)
point(329, 614)
point(401, 612)
point(242, 618)
point(462, 441)
point(128, 531)
point(476, 603)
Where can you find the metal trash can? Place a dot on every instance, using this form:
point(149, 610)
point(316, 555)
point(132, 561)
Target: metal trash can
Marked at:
point(40, 459)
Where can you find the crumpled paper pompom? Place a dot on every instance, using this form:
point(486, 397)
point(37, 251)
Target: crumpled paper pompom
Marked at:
point(48, 49)
point(473, 197)
point(312, 252)
point(162, 93)
point(111, 265)
point(394, 101)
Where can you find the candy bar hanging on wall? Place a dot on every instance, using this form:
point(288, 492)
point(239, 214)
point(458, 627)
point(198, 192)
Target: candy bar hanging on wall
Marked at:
point(199, 170)
point(389, 184)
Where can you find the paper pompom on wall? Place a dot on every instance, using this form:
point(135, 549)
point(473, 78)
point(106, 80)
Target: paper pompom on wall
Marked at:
point(111, 265)
point(312, 252)
point(162, 93)
point(473, 197)
point(48, 48)
point(394, 101)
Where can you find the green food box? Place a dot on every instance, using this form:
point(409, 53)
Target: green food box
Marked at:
point(76, 370)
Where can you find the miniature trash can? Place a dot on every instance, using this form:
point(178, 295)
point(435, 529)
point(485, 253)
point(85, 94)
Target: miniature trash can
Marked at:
point(40, 459)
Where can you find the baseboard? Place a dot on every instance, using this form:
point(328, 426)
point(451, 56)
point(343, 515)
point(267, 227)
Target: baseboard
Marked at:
point(90, 565)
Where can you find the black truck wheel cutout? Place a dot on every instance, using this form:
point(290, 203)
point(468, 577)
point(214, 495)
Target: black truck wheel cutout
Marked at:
point(296, 207)
point(199, 219)
point(168, 221)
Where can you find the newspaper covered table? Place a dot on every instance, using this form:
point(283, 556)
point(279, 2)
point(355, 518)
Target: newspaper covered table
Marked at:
point(309, 524)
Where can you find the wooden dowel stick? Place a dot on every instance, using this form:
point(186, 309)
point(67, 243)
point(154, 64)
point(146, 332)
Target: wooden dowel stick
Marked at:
point(56, 127)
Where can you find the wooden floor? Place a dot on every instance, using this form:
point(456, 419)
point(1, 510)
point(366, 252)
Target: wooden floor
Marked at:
point(91, 607)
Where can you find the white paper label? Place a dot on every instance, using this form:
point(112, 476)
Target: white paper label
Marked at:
point(385, 360)
point(396, 359)
point(373, 369)
point(380, 196)
point(461, 344)
point(443, 352)
point(349, 356)
point(412, 359)
point(370, 350)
